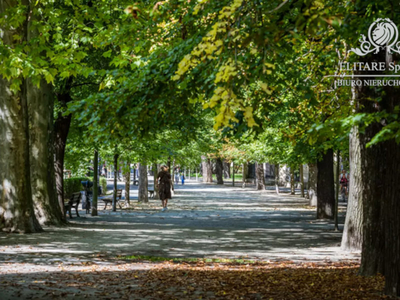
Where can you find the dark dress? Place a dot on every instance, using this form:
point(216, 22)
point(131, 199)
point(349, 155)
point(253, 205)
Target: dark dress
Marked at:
point(165, 185)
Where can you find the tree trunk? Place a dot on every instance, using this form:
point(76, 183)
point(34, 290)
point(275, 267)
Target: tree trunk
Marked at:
point(95, 182)
point(227, 169)
point(207, 170)
point(233, 174)
point(219, 171)
point(41, 145)
point(143, 183)
point(391, 222)
point(260, 176)
point(277, 178)
point(244, 174)
point(292, 188)
point(127, 176)
point(337, 191)
point(155, 173)
point(114, 203)
point(16, 205)
point(380, 176)
point(169, 165)
point(61, 129)
point(312, 184)
point(353, 227)
point(325, 187)
point(301, 181)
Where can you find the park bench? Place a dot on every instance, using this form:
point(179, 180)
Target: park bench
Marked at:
point(109, 200)
point(73, 203)
point(151, 193)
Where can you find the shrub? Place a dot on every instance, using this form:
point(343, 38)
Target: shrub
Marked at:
point(103, 184)
point(73, 185)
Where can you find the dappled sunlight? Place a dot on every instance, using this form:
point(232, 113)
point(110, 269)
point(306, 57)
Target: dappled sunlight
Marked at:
point(202, 221)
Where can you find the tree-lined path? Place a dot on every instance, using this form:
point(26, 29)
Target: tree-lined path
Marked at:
point(202, 221)
point(88, 259)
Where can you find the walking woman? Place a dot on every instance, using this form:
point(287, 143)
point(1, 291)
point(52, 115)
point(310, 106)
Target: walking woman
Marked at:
point(164, 185)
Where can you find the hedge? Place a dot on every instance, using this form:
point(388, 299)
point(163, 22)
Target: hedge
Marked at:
point(73, 185)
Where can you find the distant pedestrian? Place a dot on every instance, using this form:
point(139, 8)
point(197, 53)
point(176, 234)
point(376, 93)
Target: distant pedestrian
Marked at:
point(164, 186)
point(176, 173)
point(183, 178)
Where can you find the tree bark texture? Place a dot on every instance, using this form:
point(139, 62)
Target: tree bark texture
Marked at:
point(353, 226)
point(312, 184)
point(260, 176)
point(16, 205)
point(276, 178)
point(376, 163)
point(219, 171)
point(336, 177)
point(61, 129)
point(143, 183)
point(41, 144)
point(227, 170)
point(244, 173)
point(207, 169)
point(325, 187)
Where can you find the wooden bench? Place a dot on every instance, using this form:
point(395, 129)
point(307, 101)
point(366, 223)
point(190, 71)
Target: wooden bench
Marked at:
point(110, 200)
point(73, 203)
point(151, 193)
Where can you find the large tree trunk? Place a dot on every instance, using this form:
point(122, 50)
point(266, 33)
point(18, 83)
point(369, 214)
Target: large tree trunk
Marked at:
point(16, 205)
point(352, 232)
point(127, 176)
point(277, 178)
point(41, 145)
point(260, 176)
point(380, 176)
point(219, 171)
point(95, 182)
point(244, 174)
point(143, 183)
point(325, 187)
point(61, 129)
point(207, 169)
point(391, 220)
point(41, 141)
point(376, 161)
point(312, 184)
point(227, 170)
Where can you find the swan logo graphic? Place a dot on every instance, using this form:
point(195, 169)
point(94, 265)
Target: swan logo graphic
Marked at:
point(382, 33)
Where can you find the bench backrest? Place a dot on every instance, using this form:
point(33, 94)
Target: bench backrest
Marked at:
point(119, 194)
point(75, 198)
